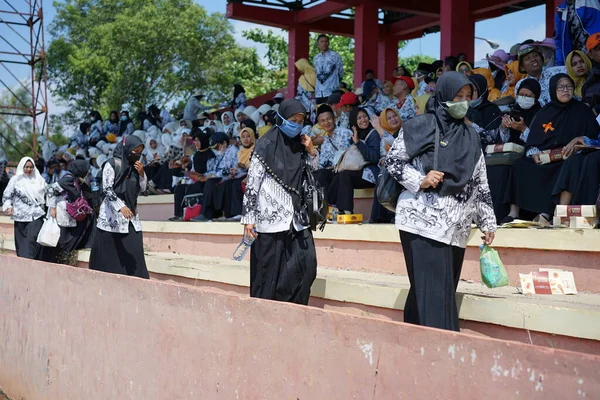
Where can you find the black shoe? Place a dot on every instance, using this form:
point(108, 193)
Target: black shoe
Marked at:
point(507, 220)
point(175, 219)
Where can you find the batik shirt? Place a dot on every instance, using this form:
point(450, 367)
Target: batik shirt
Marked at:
point(378, 103)
point(407, 110)
point(309, 102)
point(25, 209)
point(579, 35)
point(547, 74)
point(57, 198)
point(111, 127)
point(222, 164)
point(422, 89)
point(96, 131)
point(343, 121)
point(330, 71)
point(333, 146)
point(445, 219)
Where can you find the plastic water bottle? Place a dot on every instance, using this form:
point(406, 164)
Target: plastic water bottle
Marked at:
point(334, 214)
point(95, 185)
point(242, 249)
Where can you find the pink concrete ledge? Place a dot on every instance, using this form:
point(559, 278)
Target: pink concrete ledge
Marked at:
point(70, 333)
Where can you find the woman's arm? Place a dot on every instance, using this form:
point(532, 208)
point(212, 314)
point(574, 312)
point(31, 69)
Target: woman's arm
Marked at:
point(7, 196)
point(254, 180)
point(398, 165)
point(370, 149)
point(110, 197)
point(485, 217)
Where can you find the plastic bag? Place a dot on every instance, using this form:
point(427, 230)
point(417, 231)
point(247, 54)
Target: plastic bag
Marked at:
point(493, 273)
point(49, 234)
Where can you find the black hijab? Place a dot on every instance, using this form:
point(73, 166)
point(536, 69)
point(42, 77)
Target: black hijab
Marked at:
point(127, 181)
point(527, 115)
point(459, 149)
point(568, 120)
point(249, 123)
point(123, 125)
point(201, 157)
point(77, 169)
point(282, 155)
point(362, 133)
point(487, 115)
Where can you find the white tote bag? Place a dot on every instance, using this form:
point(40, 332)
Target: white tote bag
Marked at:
point(49, 234)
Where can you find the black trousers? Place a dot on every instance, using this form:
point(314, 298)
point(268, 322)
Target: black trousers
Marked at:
point(341, 190)
point(26, 233)
point(283, 266)
point(324, 177)
point(434, 271)
point(588, 186)
point(229, 197)
point(183, 190)
point(208, 200)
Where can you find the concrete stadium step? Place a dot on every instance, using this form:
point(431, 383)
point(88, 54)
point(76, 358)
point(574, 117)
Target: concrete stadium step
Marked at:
point(376, 248)
point(565, 322)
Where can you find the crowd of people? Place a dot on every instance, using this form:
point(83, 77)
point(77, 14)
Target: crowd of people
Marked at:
point(427, 128)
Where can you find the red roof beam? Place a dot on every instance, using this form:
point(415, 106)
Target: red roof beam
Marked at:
point(485, 6)
point(260, 15)
point(321, 11)
point(408, 26)
point(334, 26)
point(426, 8)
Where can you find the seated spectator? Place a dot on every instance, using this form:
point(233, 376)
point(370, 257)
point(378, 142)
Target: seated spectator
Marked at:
point(229, 195)
point(482, 115)
point(306, 87)
point(152, 157)
point(171, 166)
point(195, 168)
point(126, 127)
point(493, 94)
point(112, 123)
point(464, 68)
point(153, 118)
point(370, 75)
point(219, 169)
point(513, 76)
point(406, 105)
point(193, 106)
point(579, 68)
point(497, 63)
point(450, 64)
point(558, 125)
point(239, 97)
point(421, 103)
point(229, 125)
point(348, 102)
point(375, 101)
point(96, 130)
point(531, 62)
point(368, 142)
point(333, 142)
point(269, 120)
point(423, 71)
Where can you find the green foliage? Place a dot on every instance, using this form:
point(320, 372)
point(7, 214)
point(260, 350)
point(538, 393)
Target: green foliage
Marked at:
point(15, 131)
point(411, 63)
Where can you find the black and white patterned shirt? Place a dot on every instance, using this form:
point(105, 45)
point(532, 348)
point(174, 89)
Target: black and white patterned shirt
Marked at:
point(333, 146)
point(547, 74)
point(57, 198)
point(408, 110)
point(446, 219)
point(25, 209)
point(329, 69)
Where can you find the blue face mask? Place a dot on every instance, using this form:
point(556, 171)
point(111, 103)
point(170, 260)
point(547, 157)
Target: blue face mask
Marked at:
point(475, 103)
point(291, 129)
point(124, 118)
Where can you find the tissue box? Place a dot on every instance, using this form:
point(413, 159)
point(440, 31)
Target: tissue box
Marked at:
point(504, 148)
point(561, 221)
point(350, 219)
point(576, 211)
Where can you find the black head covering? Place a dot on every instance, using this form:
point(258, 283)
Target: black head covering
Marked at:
point(84, 127)
point(123, 124)
point(282, 155)
point(218, 137)
point(249, 122)
point(362, 133)
point(77, 169)
point(459, 149)
point(568, 120)
point(126, 184)
point(237, 89)
point(486, 115)
point(201, 157)
point(527, 115)
point(270, 117)
point(323, 108)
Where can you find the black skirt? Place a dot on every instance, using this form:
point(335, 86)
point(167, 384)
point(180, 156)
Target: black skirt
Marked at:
point(71, 239)
point(283, 266)
point(229, 197)
point(588, 186)
point(569, 175)
point(531, 185)
point(434, 271)
point(119, 253)
point(498, 180)
point(26, 234)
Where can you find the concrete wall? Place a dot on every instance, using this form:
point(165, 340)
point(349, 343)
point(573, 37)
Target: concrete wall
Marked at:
point(70, 333)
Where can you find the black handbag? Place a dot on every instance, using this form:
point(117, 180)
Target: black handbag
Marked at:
point(314, 199)
point(389, 189)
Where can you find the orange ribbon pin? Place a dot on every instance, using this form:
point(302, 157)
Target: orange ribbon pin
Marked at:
point(548, 127)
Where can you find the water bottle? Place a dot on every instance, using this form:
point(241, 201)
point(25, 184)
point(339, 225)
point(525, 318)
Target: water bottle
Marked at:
point(95, 185)
point(334, 215)
point(242, 249)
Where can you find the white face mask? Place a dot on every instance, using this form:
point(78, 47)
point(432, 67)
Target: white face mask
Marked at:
point(525, 102)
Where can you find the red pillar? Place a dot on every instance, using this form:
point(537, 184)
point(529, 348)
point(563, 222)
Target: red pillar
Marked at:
point(298, 38)
point(388, 57)
point(551, 6)
point(457, 28)
point(365, 36)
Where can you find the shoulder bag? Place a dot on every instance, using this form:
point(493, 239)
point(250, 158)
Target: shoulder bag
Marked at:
point(79, 209)
point(352, 159)
point(314, 199)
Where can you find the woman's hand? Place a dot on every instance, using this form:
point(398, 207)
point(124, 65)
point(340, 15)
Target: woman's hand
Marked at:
point(308, 144)
point(432, 180)
point(377, 125)
point(518, 125)
point(9, 212)
point(468, 122)
point(126, 212)
point(318, 140)
point(355, 138)
point(202, 178)
point(506, 121)
point(488, 238)
point(53, 212)
point(139, 167)
point(536, 159)
point(233, 172)
point(569, 149)
point(249, 232)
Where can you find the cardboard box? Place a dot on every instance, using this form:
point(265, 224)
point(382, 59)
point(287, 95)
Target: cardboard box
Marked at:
point(551, 156)
point(576, 211)
point(583, 222)
point(561, 221)
point(504, 148)
point(350, 219)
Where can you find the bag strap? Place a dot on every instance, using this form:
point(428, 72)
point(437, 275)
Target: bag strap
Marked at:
point(436, 148)
point(77, 186)
point(331, 141)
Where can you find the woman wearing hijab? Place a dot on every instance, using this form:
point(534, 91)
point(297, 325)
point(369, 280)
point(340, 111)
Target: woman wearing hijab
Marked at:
point(126, 127)
point(229, 124)
point(269, 119)
point(239, 97)
point(96, 129)
point(368, 141)
point(464, 68)
point(335, 140)
point(510, 131)
point(73, 235)
point(112, 123)
point(561, 124)
point(306, 87)
point(152, 156)
point(482, 115)
point(492, 93)
point(23, 200)
point(513, 76)
point(118, 246)
point(435, 212)
point(579, 68)
point(229, 195)
point(283, 259)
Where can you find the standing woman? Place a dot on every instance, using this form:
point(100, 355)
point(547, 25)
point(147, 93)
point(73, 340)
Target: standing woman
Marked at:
point(239, 97)
point(23, 201)
point(283, 260)
point(435, 212)
point(118, 244)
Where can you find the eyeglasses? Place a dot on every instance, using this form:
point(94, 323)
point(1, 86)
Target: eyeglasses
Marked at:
point(565, 88)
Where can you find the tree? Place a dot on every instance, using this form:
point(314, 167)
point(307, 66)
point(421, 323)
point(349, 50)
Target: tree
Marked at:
point(15, 131)
point(412, 62)
point(107, 53)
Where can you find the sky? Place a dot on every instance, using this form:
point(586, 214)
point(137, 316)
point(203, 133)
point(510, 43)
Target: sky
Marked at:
point(505, 30)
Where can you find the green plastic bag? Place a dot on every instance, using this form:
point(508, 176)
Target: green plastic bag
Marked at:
point(493, 273)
